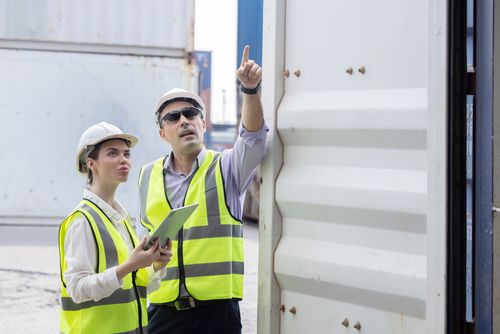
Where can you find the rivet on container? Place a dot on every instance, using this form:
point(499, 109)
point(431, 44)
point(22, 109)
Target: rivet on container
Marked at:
point(293, 310)
point(297, 73)
point(345, 323)
point(357, 325)
point(286, 73)
point(282, 308)
point(349, 70)
point(362, 69)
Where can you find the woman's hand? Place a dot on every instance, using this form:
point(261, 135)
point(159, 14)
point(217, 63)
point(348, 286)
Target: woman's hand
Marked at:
point(164, 258)
point(139, 258)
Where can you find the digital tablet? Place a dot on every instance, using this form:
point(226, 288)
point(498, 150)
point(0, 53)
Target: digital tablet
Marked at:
point(170, 225)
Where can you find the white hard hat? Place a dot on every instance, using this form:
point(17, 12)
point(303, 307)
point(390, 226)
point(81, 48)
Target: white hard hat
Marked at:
point(94, 135)
point(180, 95)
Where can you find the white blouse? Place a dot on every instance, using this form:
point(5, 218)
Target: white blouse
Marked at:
point(82, 282)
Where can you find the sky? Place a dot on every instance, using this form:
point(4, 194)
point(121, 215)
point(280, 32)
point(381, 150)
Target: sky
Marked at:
point(215, 30)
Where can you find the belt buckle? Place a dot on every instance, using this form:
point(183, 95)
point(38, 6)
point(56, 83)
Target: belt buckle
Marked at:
point(184, 303)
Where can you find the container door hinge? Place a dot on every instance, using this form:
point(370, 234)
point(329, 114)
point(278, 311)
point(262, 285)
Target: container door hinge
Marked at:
point(470, 83)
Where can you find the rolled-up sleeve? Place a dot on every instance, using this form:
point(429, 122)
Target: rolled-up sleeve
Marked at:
point(238, 165)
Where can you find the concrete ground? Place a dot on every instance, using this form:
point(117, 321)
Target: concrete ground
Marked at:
point(29, 279)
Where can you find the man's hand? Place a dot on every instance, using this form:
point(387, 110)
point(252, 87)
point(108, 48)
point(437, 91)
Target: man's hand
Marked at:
point(249, 73)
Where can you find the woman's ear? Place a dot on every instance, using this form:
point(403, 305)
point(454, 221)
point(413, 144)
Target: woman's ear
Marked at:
point(91, 164)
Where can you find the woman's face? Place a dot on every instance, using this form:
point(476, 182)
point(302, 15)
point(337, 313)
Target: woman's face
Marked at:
point(112, 165)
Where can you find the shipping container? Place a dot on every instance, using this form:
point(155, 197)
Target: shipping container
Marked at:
point(249, 29)
point(204, 70)
point(363, 215)
point(68, 65)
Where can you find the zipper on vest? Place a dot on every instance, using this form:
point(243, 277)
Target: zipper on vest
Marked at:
point(138, 298)
point(180, 258)
point(180, 239)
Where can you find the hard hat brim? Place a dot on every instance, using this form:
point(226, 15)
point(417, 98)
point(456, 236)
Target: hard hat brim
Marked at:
point(131, 138)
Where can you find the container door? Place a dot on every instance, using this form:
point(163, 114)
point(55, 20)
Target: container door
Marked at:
point(354, 186)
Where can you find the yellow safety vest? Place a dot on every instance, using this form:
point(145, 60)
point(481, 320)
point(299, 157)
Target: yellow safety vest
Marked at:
point(123, 310)
point(209, 248)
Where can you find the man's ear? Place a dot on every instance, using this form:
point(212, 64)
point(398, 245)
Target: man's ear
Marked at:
point(161, 133)
point(204, 125)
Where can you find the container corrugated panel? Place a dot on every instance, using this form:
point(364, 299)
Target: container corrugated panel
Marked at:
point(358, 236)
point(152, 27)
point(47, 100)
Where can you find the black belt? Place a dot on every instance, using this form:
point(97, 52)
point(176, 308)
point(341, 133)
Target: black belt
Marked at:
point(186, 303)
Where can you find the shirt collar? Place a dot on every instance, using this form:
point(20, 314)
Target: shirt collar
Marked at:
point(169, 166)
point(116, 216)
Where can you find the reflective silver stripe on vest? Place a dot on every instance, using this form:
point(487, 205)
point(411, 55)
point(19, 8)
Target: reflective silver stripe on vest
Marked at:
point(206, 269)
point(211, 197)
point(118, 297)
point(172, 274)
point(107, 240)
point(143, 192)
point(210, 231)
point(211, 269)
point(214, 229)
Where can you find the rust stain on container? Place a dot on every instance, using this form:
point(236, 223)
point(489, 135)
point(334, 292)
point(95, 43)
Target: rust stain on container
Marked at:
point(357, 325)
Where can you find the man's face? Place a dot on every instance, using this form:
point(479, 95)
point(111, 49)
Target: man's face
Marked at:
point(184, 135)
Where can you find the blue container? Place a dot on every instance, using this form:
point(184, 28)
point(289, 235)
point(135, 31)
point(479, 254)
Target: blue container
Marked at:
point(250, 29)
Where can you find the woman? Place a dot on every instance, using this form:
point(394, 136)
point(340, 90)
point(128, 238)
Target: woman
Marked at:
point(105, 272)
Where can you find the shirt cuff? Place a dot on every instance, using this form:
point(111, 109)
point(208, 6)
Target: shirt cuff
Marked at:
point(111, 277)
point(160, 274)
point(156, 274)
point(251, 137)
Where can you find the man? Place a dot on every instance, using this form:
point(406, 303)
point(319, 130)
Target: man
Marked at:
point(204, 281)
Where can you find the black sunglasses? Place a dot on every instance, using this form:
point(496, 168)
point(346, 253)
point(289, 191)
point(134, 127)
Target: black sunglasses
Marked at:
point(189, 113)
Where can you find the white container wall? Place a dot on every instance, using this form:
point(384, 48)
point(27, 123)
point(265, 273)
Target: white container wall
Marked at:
point(47, 99)
point(66, 65)
point(151, 27)
point(353, 238)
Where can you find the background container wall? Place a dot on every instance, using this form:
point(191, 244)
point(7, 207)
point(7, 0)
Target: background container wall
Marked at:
point(69, 64)
point(48, 99)
point(204, 84)
point(152, 27)
point(361, 190)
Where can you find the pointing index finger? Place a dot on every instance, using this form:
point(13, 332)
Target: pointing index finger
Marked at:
point(246, 53)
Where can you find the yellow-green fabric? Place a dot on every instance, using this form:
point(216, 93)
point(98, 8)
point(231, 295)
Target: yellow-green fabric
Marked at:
point(118, 313)
point(208, 252)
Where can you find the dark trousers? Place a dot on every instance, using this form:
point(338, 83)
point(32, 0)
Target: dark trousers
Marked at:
point(219, 317)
